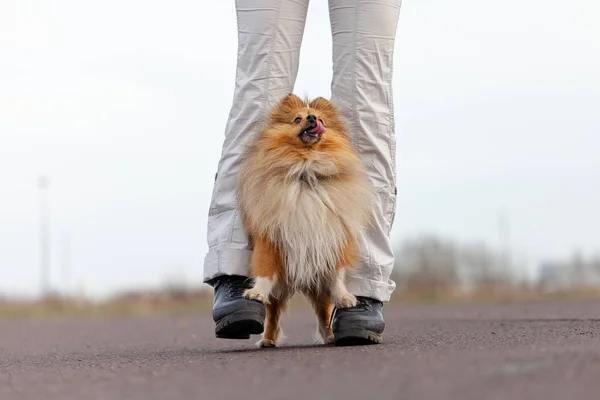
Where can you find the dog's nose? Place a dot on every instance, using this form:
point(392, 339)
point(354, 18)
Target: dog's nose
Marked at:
point(311, 118)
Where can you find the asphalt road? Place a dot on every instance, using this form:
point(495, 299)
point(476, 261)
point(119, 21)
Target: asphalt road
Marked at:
point(535, 351)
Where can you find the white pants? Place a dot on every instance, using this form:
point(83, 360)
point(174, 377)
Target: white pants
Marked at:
point(269, 37)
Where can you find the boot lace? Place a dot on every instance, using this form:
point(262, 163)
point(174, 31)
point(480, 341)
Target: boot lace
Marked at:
point(234, 287)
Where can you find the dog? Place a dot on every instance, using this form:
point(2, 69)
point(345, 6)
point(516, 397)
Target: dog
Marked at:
point(304, 199)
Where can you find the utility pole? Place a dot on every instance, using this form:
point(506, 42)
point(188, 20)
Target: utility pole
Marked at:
point(43, 186)
point(66, 260)
point(504, 238)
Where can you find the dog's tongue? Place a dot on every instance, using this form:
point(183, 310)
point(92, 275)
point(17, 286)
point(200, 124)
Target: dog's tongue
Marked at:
point(319, 129)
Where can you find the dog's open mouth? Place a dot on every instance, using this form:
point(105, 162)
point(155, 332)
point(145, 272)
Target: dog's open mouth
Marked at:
point(313, 133)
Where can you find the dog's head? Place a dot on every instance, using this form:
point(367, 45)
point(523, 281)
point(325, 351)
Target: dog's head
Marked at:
point(305, 122)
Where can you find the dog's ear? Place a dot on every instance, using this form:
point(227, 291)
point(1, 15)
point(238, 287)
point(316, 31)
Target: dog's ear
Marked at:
point(286, 106)
point(322, 104)
point(291, 102)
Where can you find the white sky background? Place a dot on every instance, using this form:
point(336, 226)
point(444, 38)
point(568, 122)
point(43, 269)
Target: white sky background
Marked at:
point(123, 104)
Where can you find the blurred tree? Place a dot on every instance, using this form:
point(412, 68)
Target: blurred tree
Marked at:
point(427, 263)
point(432, 264)
point(484, 267)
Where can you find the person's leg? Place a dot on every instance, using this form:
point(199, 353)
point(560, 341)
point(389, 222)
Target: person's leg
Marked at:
point(363, 45)
point(269, 38)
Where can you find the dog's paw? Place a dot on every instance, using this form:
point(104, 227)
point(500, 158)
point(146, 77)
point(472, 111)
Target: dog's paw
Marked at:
point(319, 339)
point(346, 300)
point(254, 294)
point(324, 335)
point(329, 339)
point(265, 343)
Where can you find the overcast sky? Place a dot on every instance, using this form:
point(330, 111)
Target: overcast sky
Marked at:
point(123, 104)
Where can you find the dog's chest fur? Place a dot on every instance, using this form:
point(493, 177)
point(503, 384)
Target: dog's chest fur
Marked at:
point(311, 232)
point(311, 217)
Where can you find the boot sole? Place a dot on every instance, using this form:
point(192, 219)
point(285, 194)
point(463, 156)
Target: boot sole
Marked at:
point(239, 326)
point(357, 338)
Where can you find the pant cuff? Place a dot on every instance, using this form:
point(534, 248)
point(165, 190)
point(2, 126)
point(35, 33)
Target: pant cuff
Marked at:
point(226, 261)
point(377, 290)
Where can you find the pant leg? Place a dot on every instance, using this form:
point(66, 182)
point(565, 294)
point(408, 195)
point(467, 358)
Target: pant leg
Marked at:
point(363, 45)
point(269, 38)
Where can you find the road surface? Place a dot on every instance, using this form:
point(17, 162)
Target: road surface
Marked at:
point(533, 351)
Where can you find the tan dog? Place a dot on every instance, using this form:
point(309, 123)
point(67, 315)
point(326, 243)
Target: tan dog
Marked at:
point(305, 199)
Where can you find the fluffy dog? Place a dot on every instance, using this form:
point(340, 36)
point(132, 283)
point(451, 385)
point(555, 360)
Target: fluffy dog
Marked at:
point(305, 199)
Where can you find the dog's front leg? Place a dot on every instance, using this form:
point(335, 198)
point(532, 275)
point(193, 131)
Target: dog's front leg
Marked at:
point(261, 290)
point(340, 295)
point(266, 267)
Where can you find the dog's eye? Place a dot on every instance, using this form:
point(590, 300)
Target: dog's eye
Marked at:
point(298, 120)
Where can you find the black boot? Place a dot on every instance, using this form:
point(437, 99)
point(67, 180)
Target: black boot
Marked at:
point(359, 325)
point(236, 317)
